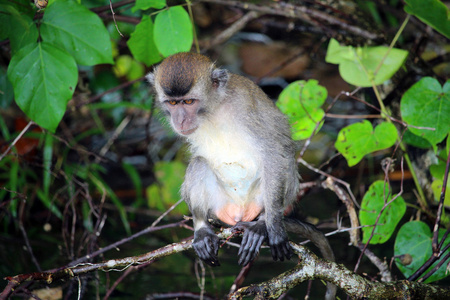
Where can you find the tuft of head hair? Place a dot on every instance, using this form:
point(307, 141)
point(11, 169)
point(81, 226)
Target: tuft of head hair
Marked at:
point(178, 73)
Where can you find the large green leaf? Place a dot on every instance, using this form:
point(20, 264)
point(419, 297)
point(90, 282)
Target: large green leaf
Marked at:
point(431, 12)
point(173, 31)
point(359, 139)
point(427, 104)
point(18, 27)
point(7, 92)
point(414, 238)
point(146, 4)
point(301, 102)
point(44, 79)
point(141, 43)
point(77, 30)
point(360, 66)
point(374, 200)
point(170, 176)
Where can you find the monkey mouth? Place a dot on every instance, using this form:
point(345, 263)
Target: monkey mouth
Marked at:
point(188, 131)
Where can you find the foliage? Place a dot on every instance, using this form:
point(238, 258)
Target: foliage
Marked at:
point(173, 31)
point(365, 66)
point(64, 52)
point(165, 192)
point(425, 109)
point(359, 139)
point(414, 238)
point(381, 209)
point(43, 100)
point(427, 104)
point(431, 12)
point(301, 102)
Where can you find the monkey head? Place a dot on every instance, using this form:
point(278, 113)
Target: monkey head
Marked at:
point(187, 86)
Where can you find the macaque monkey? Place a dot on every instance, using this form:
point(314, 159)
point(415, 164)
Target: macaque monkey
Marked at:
point(243, 171)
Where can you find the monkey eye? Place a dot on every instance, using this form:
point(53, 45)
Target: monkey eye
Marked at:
point(172, 102)
point(189, 101)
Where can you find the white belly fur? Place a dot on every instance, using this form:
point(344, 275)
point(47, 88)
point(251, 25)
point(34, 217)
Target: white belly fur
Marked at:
point(230, 155)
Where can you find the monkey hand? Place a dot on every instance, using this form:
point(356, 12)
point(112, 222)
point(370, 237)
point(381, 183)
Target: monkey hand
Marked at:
point(206, 244)
point(279, 244)
point(254, 236)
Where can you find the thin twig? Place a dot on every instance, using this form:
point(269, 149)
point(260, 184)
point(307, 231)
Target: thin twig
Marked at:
point(16, 139)
point(235, 27)
point(440, 207)
point(114, 18)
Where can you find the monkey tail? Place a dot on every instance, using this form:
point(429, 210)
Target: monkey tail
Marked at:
point(310, 232)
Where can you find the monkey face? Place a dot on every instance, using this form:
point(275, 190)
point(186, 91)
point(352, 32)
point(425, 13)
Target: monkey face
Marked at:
point(183, 115)
point(188, 86)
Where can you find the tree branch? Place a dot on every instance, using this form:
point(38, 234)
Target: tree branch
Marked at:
point(310, 267)
point(304, 13)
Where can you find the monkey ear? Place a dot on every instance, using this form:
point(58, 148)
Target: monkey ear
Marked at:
point(219, 77)
point(151, 78)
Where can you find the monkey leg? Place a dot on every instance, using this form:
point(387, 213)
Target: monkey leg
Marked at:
point(206, 245)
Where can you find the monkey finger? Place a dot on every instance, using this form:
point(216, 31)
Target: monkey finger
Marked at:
point(257, 242)
point(245, 260)
point(246, 257)
point(206, 256)
point(287, 250)
point(250, 248)
point(276, 254)
point(253, 251)
point(244, 244)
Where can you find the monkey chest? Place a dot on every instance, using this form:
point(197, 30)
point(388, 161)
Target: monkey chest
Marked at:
point(230, 153)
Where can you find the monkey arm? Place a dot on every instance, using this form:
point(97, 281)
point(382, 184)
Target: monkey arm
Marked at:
point(199, 190)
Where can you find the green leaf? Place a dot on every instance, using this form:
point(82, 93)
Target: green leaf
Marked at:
point(427, 104)
point(170, 176)
point(44, 79)
point(137, 182)
point(358, 65)
point(7, 92)
point(375, 198)
point(436, 187)
point(431, 12)
point(359, 139)
point(127, 66)
point(77, 30)
point(301, 102)
point(173, 31)
point(146, 4)
point(141, 43)
point(18, 27)
point(438, 173)
point(414, 238)
point(415, 140)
